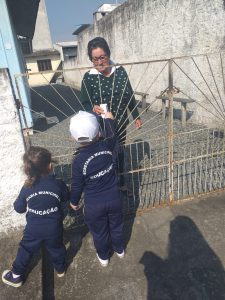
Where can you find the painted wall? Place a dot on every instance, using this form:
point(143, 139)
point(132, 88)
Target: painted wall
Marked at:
point(38, 79)
point(144, 30)
point(11, 151)
point(11, 57)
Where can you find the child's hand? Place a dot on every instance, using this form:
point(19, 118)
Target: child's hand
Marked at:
point(98, 110)
point(109, 115)
point(74, 207)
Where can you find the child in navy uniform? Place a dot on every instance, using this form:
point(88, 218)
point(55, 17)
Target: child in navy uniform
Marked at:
point(94, 173)
point(41, 198)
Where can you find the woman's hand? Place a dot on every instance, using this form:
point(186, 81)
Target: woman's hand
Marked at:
point(138, 123)
point(98, 110)
point(109, 115)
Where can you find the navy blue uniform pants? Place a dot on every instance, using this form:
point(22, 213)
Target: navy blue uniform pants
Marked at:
point(105, 222)
point(30, 245)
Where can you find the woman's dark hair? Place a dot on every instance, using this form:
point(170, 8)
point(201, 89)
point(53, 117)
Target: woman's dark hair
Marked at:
point(98, 42)
point(36, 162)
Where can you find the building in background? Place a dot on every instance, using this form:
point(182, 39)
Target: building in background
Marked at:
point(47, 61)
point(80, 28)
point(104, 10)
point(39, 53)
point(68, 54)
point(42, 35)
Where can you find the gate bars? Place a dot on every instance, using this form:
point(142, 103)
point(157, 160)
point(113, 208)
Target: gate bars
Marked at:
point(165, 161)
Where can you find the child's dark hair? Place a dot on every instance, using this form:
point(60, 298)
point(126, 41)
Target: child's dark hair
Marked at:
point(36, 164)
point(98, 42)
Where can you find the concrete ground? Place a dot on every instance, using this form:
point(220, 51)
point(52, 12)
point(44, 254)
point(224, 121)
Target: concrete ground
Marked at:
point(175, 252)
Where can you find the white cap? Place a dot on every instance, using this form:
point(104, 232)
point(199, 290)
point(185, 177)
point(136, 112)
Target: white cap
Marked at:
point(84, 126)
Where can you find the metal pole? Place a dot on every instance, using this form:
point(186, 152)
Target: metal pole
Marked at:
point(170, 93)
point(23, 112)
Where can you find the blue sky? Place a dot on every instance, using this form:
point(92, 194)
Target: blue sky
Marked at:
point(63, 16)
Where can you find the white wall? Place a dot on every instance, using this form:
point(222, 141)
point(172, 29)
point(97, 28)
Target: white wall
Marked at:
point(11, 151)
point(147, 29)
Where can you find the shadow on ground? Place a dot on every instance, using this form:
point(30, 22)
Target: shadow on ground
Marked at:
point(192, 270)
point(73, 240)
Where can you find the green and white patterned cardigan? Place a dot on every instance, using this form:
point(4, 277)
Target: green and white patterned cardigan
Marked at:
point(114, 90)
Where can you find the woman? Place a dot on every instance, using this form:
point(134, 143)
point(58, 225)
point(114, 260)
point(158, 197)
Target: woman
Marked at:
point(108, 84)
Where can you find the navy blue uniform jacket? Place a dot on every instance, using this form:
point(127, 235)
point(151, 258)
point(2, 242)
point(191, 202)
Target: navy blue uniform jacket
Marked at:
point(93, 170)
point(42, 202)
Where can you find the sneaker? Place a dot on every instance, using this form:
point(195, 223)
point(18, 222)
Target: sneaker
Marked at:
point(103, 262)
point(120, 255)
point(60, 274)
point(7, 277)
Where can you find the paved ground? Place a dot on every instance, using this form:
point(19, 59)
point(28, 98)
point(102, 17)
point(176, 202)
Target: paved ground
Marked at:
point(173, 253)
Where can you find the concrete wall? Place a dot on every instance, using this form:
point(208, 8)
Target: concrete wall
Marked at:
point(143, 30)
point(42, 36)
point(11, 151)
point(147, 29)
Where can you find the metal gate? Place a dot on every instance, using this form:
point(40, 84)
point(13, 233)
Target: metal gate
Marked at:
point(178, 153)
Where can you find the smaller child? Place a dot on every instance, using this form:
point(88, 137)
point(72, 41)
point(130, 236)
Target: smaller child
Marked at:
point(40, 198)
point(94, 173)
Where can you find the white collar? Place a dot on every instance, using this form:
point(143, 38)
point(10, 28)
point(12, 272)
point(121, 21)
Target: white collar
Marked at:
point(93, 71)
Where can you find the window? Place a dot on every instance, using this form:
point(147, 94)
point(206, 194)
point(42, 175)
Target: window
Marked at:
point(44, 65)
point(26, 45)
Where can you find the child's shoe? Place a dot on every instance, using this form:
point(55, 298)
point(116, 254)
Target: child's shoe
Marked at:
point(7, 277)
point(120, 255)
point(60, 274)
point(103, 262)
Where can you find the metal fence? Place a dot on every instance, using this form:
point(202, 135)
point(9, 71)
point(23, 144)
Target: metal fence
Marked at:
point(178, 153)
